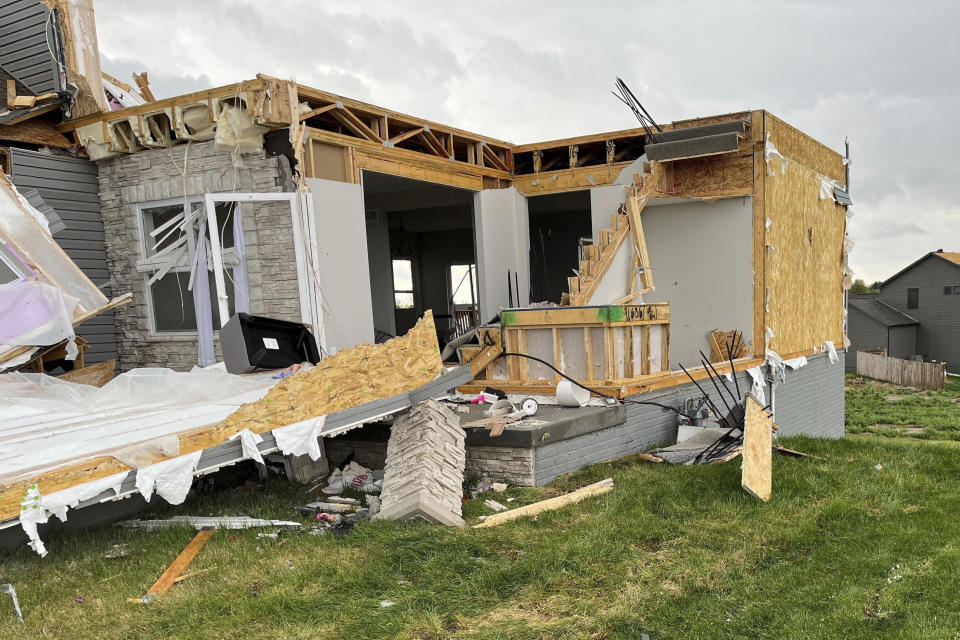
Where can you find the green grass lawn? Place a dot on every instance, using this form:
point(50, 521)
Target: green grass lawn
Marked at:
point(842, 550)
point(888, 410)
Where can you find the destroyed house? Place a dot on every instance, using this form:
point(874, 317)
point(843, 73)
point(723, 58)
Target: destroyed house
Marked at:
point(644, 264)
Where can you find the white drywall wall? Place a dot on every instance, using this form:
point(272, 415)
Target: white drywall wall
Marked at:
point(604, 202)
point(343, 268)
point(503, 241)
point(702, 259)
point(381, 272)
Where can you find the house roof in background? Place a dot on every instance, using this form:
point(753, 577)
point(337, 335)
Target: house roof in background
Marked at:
point(953, 257)
point(871, 306)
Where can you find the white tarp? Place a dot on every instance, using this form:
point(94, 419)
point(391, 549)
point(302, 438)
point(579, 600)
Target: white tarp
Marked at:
point(48, 422)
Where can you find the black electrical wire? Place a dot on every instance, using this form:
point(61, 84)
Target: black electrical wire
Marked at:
point(599, 393)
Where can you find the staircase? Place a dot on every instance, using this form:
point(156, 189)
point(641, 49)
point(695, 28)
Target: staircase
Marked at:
point(599, 257)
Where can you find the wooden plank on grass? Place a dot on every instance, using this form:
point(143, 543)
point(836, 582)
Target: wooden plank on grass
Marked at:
point(756, 478)
point(582, 493)
point(178, 566)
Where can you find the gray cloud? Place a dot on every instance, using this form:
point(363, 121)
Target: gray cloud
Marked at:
point(884, 76)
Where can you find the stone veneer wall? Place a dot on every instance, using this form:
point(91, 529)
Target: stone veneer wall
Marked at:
point(268, 234)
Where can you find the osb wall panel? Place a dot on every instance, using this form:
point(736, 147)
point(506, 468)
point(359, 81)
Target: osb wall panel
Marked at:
point(797, 145)
point(348, 379)
point(803, 261)
point(713, 175)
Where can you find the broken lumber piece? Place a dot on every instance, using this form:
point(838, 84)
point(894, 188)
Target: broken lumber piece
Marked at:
point(178, 566)
point(757, 450)
point(595, 489)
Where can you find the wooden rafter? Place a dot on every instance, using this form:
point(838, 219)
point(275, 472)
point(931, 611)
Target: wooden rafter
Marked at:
point(406, 135)
point(433, 144)
point(634, 207)
point(350, 120)
point(316, 112)
point(494, 160)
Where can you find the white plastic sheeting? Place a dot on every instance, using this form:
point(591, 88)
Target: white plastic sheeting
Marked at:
point(48, 422)
point(171, 479)
point(36, 509)
point(301, 438)
point(36, 314)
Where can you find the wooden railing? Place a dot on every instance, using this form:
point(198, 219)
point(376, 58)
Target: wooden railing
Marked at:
point(906, 373)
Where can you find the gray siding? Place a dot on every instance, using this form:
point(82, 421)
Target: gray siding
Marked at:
point(938, 337)
point(902, 341)
point(24, 50)
point(71, 187)
point(812, 402)
point(865, 333)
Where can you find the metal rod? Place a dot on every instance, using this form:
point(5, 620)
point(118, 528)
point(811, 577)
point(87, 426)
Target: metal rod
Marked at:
point(713, 407)
point(733, 371)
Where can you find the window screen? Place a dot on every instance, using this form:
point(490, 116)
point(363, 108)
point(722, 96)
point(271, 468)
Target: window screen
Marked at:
point(913, 298)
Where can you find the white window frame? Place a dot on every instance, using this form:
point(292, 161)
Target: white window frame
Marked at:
point(13, 262)
point(305, 249)
point(148, 266)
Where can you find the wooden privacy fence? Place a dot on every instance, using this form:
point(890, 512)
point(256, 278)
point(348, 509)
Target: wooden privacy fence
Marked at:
point(907, 373)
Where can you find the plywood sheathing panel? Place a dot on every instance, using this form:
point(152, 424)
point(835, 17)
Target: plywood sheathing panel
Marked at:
point(756, 476)
point(803, 260)
point(800, 147)
point(348, 379)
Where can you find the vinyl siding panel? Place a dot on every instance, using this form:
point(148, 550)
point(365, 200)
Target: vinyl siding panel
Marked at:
point(938, 337)
point(812, 402)
point(70, 186)
point(865, 334)
point(23, 44)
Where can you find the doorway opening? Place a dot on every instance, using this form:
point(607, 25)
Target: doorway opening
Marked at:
point(560, 224)
point(420, 247)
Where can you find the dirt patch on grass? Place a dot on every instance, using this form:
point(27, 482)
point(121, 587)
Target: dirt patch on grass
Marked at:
point(899, 428)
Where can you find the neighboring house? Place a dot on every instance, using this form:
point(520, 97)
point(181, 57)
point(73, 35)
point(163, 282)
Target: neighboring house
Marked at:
point(873, 325)
point(929, 291)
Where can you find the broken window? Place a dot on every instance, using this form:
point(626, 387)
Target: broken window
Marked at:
point(913, 298)
point(168, 249)
point(403, 284)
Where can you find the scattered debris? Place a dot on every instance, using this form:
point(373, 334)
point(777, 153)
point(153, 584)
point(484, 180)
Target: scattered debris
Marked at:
point(595, 489)
point(8, 589)
point(373, 503)
point(340, 500)
point(354, 476)
point(179, 565)
point(78, 599)
point(200, 523)
point(499, 486)
point(117, 551)
point(386, 603)
point(331, 507)
point(496, 506)
point(756, 477)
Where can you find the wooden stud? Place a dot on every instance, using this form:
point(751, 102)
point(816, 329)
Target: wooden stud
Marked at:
point(588, 352)
point(611, 350)
point(595, 489)
point(644, 350)
point(524, 364)
point(628, 352)
point(611, 151)
point(537, 160)
point(572, 151)
point(143, 84)
point(557, 353)
point(11, 92)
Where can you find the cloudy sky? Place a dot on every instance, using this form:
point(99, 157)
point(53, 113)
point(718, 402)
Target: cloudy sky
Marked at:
point(885, 74)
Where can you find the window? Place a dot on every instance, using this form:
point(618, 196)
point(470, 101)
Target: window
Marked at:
point(913, 298)
point(403, 284)
point(12, 267)
point(463, 288)
point(947, 291)
point(956, 291)
point(169, 251)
